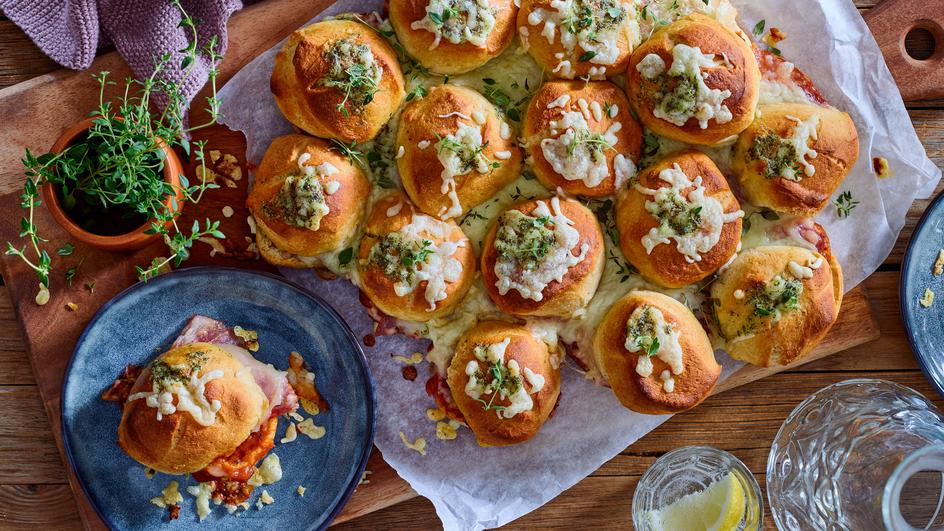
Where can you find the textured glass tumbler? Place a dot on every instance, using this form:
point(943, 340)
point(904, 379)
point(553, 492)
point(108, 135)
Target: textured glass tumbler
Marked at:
point(858, 455)
point(689, 470)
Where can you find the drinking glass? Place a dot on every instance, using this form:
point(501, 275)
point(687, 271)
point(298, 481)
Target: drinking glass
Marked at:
point(860, 454)
point(689, 470)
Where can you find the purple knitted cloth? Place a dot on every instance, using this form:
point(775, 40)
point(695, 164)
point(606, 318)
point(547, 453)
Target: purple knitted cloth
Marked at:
point(70, 31)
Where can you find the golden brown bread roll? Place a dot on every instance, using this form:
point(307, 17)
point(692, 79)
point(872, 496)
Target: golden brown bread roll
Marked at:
point(307, 199)
point(455, 151)
point(579, 39)
point(543, 257)
point(338, 79)
point(413, 266)
point(582, 137)
point(231, 407)
point(794, 156)
point(679, 222)
point(453, 36)
point(694, 81)
point(775, 303)
point(511, 409)
point(654, 354)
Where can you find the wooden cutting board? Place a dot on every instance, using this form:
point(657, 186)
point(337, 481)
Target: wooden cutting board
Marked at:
point(36, 111)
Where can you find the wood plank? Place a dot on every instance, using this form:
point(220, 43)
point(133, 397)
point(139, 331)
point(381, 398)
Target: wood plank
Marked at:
point(42, 506)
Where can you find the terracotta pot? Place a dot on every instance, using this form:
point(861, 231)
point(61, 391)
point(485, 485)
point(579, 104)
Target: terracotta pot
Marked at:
point(130, 241)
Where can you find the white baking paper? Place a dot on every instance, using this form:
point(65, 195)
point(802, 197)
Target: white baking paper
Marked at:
point(473, 487)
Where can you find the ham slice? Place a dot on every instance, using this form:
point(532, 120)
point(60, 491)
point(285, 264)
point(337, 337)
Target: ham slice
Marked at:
point(273, 382)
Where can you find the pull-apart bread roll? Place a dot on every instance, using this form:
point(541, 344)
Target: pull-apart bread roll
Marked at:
point(582, 138)
point(543, 257)
point(578, 38)
point(679, 222)
point(338, 79)
point(183, 436)
point(453, 36)
point(454, 151)
point(504, 382)
point(654, 354)
point(694, 81)
point(794, 156)
point(413, 266)
point(307, 200)
point(775, 303)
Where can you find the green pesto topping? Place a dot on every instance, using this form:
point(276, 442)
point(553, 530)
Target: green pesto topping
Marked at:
point(678, 95)
point(641, 333)
point(354, 72)
point(524, 239)
point(677, 216)
point(778, 155)
point(398, 257)
point(497, 379)
point(589, 18)
point(780, 294)
point(300, 202)
point(166, 376)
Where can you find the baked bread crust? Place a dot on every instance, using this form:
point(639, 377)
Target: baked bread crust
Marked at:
point(539, 123)
point(667, 266)
point(529, 352)
point(178, 444)
point(646, 394)
point(836, 146)
point(739, 74)
point(301, 64)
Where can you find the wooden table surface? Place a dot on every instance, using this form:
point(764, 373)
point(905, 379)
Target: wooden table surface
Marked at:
point(34, 491)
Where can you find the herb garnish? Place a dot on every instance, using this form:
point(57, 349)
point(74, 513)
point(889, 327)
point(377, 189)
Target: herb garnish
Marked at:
point(845, 204)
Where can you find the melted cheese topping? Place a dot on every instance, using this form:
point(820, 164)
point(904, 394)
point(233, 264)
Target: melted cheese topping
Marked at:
point(440, 266)
point(803, 136)
point(169, 496)
point(201, 494)
point(578, 154)
point(707, 103)
point(459, 154)
point(707, 215)
point(659, 13)
point(647, 331)
point(458, 21)
point(530, 283)
point(594, 28)
point(493, 356)
point(190, 395)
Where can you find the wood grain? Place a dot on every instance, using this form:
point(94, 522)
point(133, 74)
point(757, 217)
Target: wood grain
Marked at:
point(890, 23)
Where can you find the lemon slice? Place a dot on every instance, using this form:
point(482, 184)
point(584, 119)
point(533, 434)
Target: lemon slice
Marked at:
point(720, 507)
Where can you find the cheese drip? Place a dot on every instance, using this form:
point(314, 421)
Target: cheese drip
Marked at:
point(169, 382)
point(422, 251)
point(694, 220)
point(593, 26)
point(530, 278)
point(458, 21)
point(803, 134)
point(691, 97)
point(507, 380)
point(579, 154)
point(648, 332)
point(460, 153)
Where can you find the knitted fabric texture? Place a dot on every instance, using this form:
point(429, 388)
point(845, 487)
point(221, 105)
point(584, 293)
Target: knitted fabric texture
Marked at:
point(70, 32)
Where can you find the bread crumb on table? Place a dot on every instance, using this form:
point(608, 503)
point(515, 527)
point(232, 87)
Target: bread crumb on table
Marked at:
point(927, 299)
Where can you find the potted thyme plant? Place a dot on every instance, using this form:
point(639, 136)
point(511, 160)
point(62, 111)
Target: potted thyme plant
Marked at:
point(114, 180)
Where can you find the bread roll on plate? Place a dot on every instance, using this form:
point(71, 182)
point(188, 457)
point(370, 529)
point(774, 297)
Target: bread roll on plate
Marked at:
point(582, 138)
point(775, 303)
point(578, 39)
point(694, 81)
point(453, 36)
point(338, 79)
point(654, 354)
point(307, 200)
point(187, 440)
point(794, 156)
point(679, 222)
point(413, 266)
point(543, 257)
point(510, 409)
point(455, 151)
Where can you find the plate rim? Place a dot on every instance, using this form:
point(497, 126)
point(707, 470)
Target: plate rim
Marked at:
point(198, 270)
point(905, 282)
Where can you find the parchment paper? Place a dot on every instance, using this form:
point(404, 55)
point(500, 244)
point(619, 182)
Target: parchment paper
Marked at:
point(473, 487)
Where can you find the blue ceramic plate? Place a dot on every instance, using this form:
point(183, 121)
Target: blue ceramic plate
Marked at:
point(143, 320)
point(925, 326)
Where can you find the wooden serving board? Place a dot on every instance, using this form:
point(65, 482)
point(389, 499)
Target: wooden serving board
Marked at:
point(34, 113)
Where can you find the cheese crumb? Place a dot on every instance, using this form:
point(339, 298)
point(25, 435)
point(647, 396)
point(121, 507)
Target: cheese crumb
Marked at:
point(269, 472)
point(414, 358)
point(290, 434)
point(215, 155)
point(296, 417)
point(445, 431)
point(264, 499)
point(250, 337)
point(435, 414)
point(939, 263)
point(419, 445)
point(308, 428)
point(927, 299)
point(42, 296)
point(364, 479)
point(301, 491)
point(201, 493)
point(228, 211)
point(309, 406)
point(169, 496)
point(71, 306)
